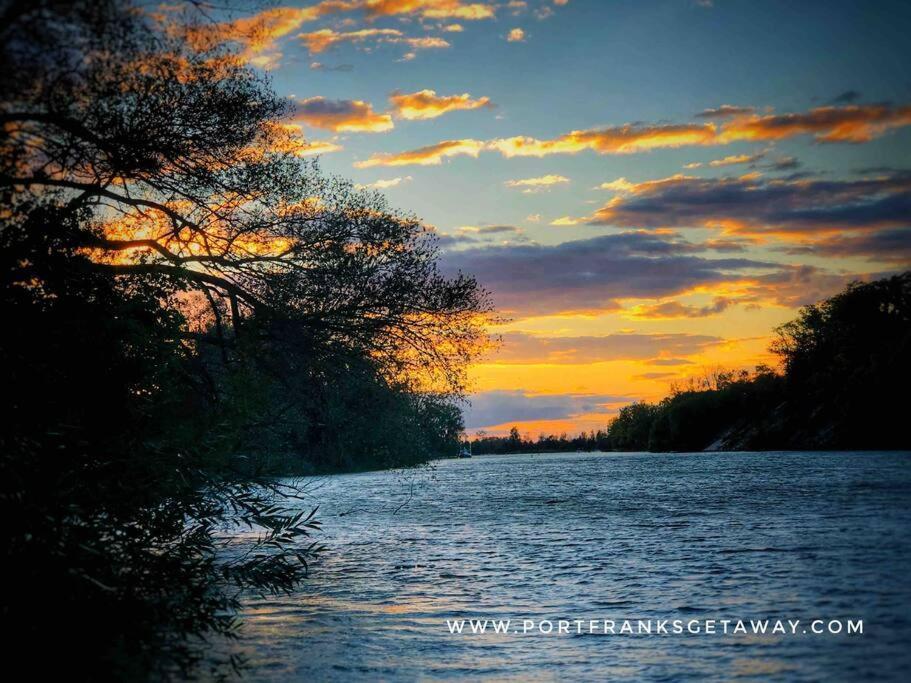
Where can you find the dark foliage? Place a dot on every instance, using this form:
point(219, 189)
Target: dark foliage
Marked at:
point(189, 309)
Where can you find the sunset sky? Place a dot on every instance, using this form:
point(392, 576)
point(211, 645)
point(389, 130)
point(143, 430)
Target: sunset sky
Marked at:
point(647, 188)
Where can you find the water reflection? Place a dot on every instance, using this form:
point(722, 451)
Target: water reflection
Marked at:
point(580, 536)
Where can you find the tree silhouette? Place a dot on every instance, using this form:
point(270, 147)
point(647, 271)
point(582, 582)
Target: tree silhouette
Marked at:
point(190, 307)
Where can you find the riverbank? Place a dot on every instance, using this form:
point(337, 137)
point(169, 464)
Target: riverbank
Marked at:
point(844, 366)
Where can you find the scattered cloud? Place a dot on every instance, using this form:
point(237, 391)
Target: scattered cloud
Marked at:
point(725, 111)
point(295, 142)
point(675, 309)
point(353, 116)
point(888, 246)
point(752, 205)
point(516, 35)
point(319, 66)
point(385, 184)
point(523, 348)
point(731, 160)
point(854, 123)
point(426, 104)
point(616, 140)
point(729, 245)
point(259, 33)
point(446, 240)
point(851, 124)
point(498, 229)
point(783, 163)
point(565, 221)
point(321, 40)
point(736, 159)
point(539, 184)
point(655, 375)
point(847, 97)
point(669, 361)
point(533, 218)
point(481, 235)
point(422, 43)
point(491, 408)
point(826, 124)
point(488, 229)
point(431, 155)
point(618, 185)
point(591, 275)
point(316, 147)
point(432, 9)
point(798, 285)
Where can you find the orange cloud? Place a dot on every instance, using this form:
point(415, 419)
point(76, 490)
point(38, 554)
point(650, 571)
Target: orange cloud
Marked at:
point(432, 155)
point(426, 104)
point(353, 116)
point(289, 138)
point(621, 140)
point(826, 124)
point(615, 140)
point(731, 160)
point(855, 123)
point(257, 34)
point(315, 147)
point(516, 35)
point(432, 9)
point(322, 40)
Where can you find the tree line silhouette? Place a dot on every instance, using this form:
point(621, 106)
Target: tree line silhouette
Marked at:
point(845, 364)
point(189, 307)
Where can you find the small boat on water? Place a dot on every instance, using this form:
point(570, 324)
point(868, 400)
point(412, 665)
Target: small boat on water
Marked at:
point(465, 450)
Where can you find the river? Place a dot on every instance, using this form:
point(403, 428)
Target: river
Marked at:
point(698, 538)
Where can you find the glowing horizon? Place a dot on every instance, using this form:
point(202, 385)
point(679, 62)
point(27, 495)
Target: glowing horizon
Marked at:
point(648, 189)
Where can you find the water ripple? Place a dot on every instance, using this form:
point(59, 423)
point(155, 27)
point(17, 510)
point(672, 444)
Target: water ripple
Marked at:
point(580, 536)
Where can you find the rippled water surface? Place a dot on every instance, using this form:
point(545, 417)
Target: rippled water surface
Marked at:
point(601, 536)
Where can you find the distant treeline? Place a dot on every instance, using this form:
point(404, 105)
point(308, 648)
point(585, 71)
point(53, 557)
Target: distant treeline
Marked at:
point(845, 371)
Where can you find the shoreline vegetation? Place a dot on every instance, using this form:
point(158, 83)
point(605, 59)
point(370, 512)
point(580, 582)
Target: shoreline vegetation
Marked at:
point(191, 308)
point(845, 364)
